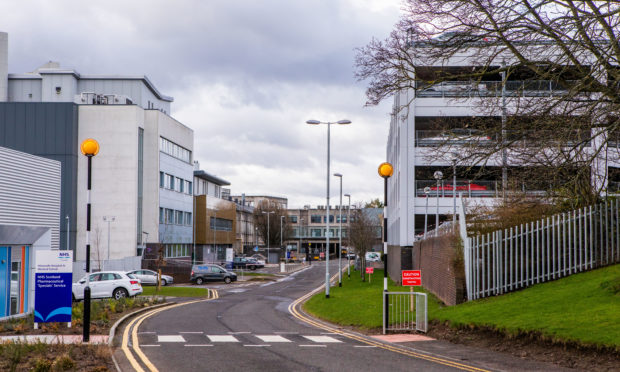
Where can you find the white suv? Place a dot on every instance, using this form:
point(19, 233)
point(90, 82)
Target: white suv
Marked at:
point(115, 284)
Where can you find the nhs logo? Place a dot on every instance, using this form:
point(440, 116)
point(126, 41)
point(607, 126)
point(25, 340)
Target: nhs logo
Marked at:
point(64, 256)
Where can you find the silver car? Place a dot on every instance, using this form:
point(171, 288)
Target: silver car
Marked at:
point(149, 277)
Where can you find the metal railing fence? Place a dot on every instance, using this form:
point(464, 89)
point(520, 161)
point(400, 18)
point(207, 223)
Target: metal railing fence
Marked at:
point(406, 311)
point(522, 88)
point(548, 249)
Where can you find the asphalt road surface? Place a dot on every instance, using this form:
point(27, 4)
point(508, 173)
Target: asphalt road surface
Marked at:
point(260, 327)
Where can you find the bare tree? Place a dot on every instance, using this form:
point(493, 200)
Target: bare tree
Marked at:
point(363, 234)
point(97, 245)
point(275, 215)
point(544, 76)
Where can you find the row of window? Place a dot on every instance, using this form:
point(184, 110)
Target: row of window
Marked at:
point(177, 250)
point(170, 182)
point(174, 150)
point(172, 217)
point(318, 218)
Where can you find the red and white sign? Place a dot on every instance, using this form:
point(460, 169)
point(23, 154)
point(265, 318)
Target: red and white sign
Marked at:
point(412, 277)
point(370, 270)
point(322, 254)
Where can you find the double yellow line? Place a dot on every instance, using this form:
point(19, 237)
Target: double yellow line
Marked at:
point(293, 309)
point(133, 326)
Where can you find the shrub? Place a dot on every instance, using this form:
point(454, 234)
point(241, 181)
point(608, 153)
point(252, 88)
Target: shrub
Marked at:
point(63, 363)
point(42, 365)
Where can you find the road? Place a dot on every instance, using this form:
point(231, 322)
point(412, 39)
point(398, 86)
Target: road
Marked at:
point(254, 327)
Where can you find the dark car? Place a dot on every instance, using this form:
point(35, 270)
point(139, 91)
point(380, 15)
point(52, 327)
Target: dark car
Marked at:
point(209, 272)
point(247, 263)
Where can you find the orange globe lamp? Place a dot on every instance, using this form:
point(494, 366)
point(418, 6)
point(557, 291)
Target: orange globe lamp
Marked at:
point(89, 147)
point(386, 170)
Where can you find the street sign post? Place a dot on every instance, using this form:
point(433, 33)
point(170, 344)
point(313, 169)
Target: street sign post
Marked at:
point(412, 277)
point(52, 294)
point(370, 270)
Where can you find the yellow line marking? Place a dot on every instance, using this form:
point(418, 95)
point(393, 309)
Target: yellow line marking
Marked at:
point(135, 324)
point(293, 310)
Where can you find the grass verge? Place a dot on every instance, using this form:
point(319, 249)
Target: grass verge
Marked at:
point(175, 291)
point(583, 308)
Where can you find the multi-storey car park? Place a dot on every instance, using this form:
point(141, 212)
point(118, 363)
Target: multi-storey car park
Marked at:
point(440, 126)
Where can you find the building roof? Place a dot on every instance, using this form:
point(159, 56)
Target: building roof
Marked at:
point(21, 235)
point(211, 178)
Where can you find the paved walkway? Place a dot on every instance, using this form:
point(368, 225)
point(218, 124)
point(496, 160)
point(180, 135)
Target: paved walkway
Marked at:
point(54, 339)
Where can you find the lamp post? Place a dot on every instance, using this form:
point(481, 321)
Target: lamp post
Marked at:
point(300, 229)
point(349, 236)
point(109, 219)
point(267, 213)
point(385, 171)
point(89, 148)
point(438, 176)
point(67, 218)
point(281, 246)
point(316, 122)
point(214, 229)
point(340, 234)
point(427, 190)
point(454, 158)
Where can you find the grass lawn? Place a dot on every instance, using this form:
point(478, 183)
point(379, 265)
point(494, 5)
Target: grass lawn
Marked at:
point(175, 291)
point(582, 308)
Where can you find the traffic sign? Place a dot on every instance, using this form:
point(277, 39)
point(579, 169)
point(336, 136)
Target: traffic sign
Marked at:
point(412, 277)
point(370, 270)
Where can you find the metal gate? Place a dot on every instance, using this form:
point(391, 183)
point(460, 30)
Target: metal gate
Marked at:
point(405, 311)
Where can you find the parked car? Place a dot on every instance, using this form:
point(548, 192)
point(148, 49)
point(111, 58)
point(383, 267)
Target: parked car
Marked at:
point(373, 257)
point(260, 258)
point(115, 284)
point(209, 272)
point(247, 263)
point(150, 277)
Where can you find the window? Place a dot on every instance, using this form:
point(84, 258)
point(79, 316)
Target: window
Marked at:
point(331, 219)
point(344, 218)
point(292, 219)
point(179, 217)
point(169, 216)
point(161, 179)
point(161, 215)
point(188, 187)
point(169, 181)
point(178, 184)
point(315, 218)
point(315, 233)
point(181, 185)
point(174, 150)
point(188, 218)
point(220, 224)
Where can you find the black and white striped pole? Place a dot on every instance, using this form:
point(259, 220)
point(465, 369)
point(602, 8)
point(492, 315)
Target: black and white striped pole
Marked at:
point(385, 171)
point(89, 148)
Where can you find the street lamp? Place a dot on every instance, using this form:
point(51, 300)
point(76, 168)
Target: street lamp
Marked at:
point(67, 218)
point(454, 159)
point(214, 229)
point(348, 236)
point(267, 213)
point(427, 190)
point(281, 246)
point(300, 230)
point(385, 171)
point(340, 234)
point(89, 148)
point(316, 122)
point(438, 175)
point(109, 219)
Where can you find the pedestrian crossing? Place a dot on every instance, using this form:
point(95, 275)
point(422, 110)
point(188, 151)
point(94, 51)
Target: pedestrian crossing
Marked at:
point(247, 339)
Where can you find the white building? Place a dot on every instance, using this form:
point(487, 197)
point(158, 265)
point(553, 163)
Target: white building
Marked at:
point(143, 174)
point(431, 115)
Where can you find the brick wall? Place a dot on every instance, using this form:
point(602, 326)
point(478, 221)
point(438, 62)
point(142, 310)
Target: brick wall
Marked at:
point(435, 257)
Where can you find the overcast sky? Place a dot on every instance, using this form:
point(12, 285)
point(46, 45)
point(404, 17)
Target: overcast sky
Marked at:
point(245, 76)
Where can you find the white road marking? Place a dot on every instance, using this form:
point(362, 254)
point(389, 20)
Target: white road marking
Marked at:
point(238, 333)
point(170, 338)
point(205, 345)
point(257, 345)
point(222, 338)
point(149, 345)
point(270, 338)
point(322, 339)
point(312, 345)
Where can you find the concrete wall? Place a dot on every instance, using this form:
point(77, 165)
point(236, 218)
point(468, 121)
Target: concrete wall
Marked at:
point(4, 66)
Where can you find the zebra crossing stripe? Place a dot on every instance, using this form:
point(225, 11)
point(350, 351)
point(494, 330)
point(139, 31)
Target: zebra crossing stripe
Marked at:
point(272, 338)
point(222, 338)
point(322, 339)
point(170, 338)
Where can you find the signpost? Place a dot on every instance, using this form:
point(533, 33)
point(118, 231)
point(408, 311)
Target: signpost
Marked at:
point(370, 270)
point(412, 278)
point(53, 280)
